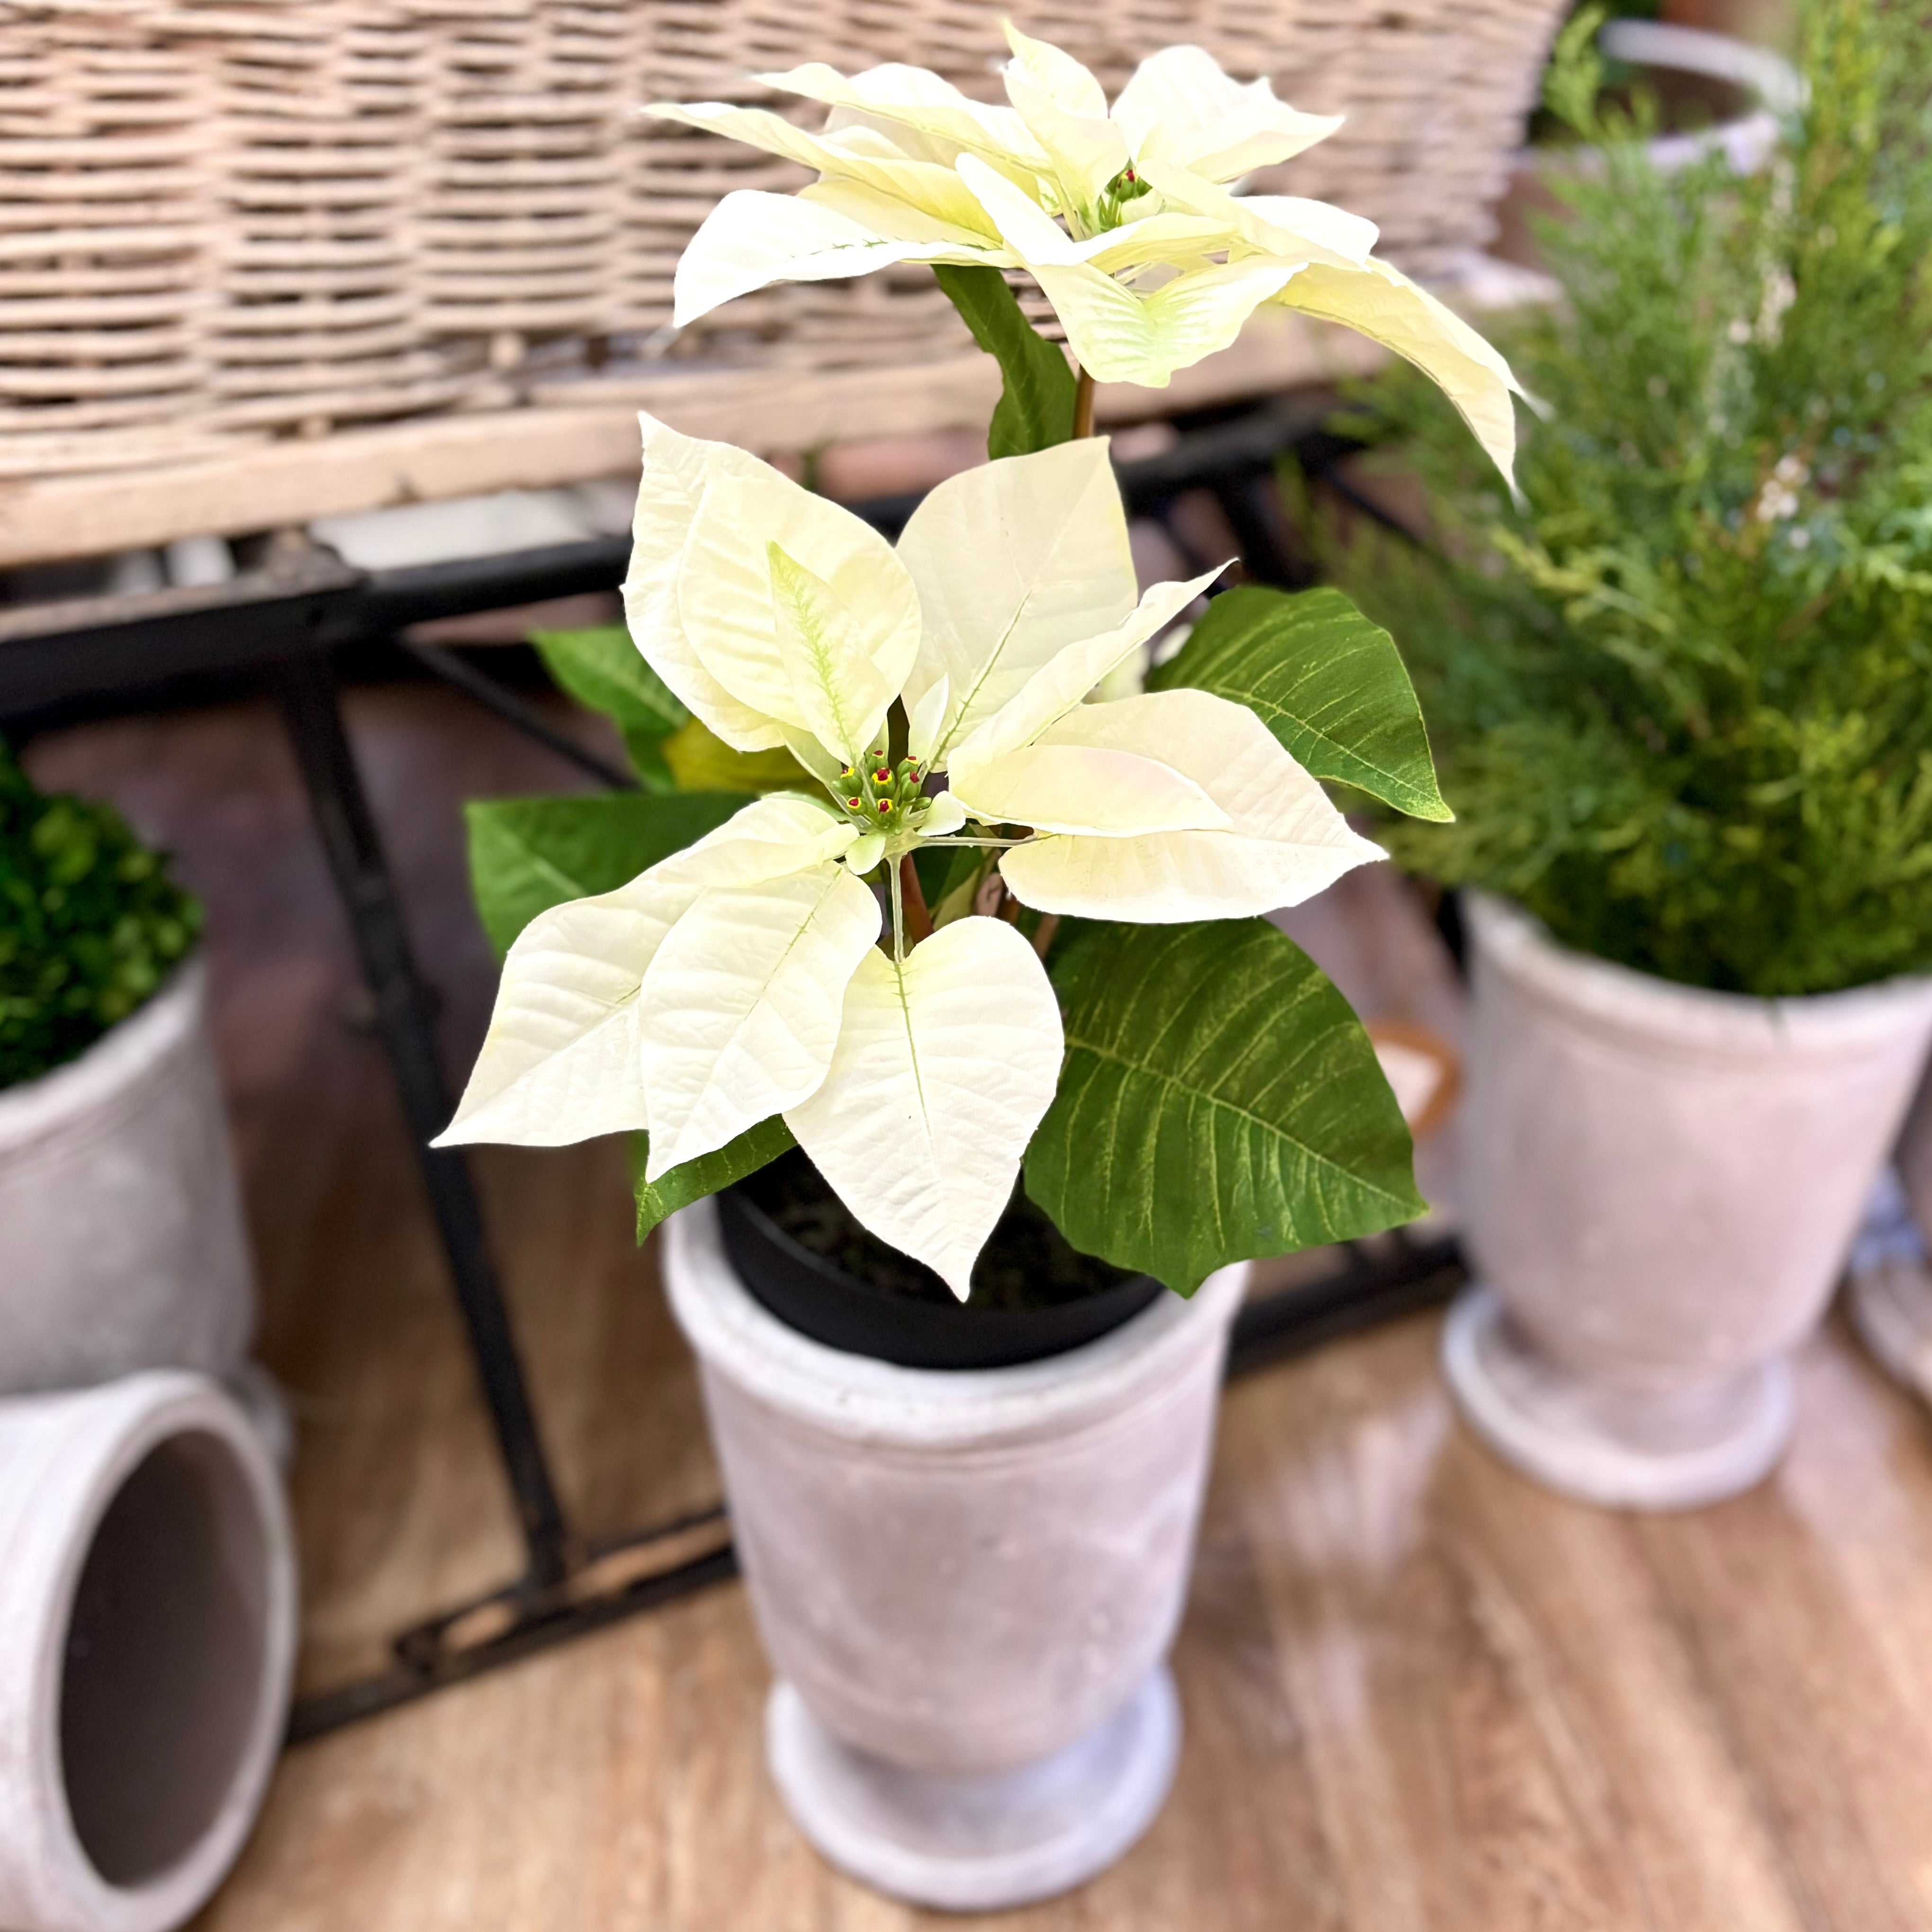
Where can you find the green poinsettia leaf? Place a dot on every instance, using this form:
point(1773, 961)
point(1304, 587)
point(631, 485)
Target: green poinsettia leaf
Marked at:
point(1035, 410)
point(602, 668)
point(645, 750)
point(1330, 684)
point(528, 854)
point(1219, 1101)
point(948, 876)
point(692, 1180)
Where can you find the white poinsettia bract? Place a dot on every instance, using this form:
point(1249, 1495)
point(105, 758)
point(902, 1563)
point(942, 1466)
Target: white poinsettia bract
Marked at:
point(1124, 215)
point(764, 970)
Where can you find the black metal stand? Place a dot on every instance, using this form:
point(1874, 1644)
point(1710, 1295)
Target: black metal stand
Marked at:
point(116, 653)
point(403, 1017)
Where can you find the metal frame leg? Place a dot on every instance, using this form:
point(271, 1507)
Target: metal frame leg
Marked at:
point(312, 713)
point(568, 1587)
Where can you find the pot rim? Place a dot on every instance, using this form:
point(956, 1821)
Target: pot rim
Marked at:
point(1514, 943)
point(118, 1061)
point(797, 1284)
point(867, 1400)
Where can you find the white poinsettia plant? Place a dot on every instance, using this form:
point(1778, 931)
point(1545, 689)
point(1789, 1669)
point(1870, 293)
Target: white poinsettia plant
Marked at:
point(742, 978)
point(1123, 216)
point(995, 911)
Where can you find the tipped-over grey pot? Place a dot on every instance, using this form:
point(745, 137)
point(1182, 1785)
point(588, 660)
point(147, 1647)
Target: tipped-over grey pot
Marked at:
point(147, 1636)
point(121, 1240)
point(1661, 1186)
point(967, 1580)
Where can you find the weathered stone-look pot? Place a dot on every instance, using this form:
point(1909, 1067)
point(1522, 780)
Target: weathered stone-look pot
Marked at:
point(1661, 1184)
point(967, 1581)
point(147, 1635)
point(121, 1240)
point(1891, 1287)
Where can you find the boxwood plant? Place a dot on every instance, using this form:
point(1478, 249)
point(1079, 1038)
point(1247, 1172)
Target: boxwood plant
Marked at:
point(933, 913)
point(91, 924)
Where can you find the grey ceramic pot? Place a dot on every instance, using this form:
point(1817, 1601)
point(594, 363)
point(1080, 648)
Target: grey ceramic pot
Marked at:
point(1662, 1185)
point(121, 1240)
point(968, 1579)
point(147, 1643)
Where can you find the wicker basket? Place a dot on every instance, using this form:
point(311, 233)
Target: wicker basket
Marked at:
point(225, 221)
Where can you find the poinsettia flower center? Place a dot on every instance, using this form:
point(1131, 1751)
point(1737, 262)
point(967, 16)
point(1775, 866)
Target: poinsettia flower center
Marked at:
point(1110, 209)
point(878, 795)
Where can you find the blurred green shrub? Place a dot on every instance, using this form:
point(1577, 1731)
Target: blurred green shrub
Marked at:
point(1683, 695)
point(90, 924)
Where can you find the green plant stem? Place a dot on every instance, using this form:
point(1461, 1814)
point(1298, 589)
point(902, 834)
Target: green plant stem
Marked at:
point(1083, 407)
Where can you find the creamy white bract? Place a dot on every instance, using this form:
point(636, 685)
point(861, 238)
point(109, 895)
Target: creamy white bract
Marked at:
point(744, 977)
point(1121, 214)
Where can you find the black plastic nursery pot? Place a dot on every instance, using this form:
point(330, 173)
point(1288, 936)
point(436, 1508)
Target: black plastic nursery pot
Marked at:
point(927, 1329)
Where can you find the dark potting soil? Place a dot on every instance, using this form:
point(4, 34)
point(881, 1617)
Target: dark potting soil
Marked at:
point(1026, 1263)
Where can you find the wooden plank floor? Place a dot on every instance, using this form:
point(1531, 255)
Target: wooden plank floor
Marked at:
point(1419, 1693)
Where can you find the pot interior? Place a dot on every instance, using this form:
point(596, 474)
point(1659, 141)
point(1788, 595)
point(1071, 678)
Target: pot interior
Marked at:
point(167, 1650)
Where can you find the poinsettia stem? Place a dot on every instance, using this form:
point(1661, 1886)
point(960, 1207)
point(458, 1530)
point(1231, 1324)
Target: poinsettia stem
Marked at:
point(918, 918)
point(1083, 405)
point(1042, 935)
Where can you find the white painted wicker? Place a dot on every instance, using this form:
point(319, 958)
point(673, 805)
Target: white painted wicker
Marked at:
point(226, 221)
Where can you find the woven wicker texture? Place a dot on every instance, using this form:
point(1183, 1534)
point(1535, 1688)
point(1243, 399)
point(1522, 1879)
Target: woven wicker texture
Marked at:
point(226, 219)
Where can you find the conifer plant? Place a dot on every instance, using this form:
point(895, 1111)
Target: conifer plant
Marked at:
point(1684, 694)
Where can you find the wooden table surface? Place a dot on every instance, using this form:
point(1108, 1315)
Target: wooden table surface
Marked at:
point(1418, 1693)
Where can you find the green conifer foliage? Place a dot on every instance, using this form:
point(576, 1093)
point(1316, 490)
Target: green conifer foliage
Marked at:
point(1683, 697)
